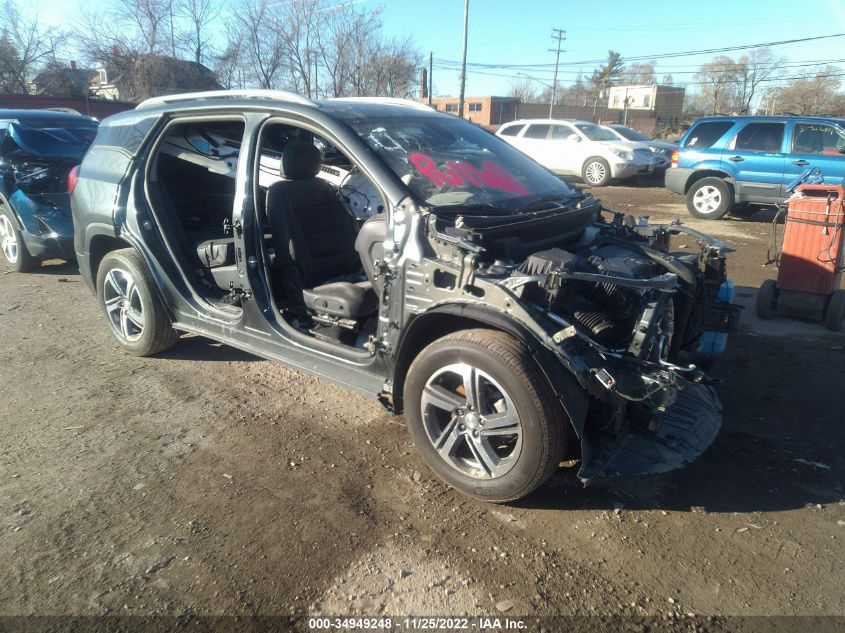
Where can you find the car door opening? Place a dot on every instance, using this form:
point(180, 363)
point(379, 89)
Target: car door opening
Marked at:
point(326, 224)
point(193, 184)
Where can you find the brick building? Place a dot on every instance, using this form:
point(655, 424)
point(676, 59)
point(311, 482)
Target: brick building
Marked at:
point(487, 111)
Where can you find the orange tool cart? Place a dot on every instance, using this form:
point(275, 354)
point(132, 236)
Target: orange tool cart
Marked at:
point(811, 259)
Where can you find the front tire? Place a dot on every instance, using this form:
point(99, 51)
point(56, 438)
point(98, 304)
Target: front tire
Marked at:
point(596, 172)
point(482, 415)
point(12, 246)
point(710, 198)
point(131, 305)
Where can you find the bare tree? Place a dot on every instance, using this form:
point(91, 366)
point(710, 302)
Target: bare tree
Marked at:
point(718, 83)
point(523, 89)
point(199, 15)
point(263, 53)
point(639, 73)
point(150, 21)
point(758, 66)
point(24, 48)
point(815, 94)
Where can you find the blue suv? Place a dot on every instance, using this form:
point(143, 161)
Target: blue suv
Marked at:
point(727, 161)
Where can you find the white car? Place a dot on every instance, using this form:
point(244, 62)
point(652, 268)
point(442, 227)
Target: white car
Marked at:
point(579, 148)
point(661, 149)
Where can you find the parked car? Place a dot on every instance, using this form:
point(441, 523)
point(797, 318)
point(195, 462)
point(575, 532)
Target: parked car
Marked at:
point(579, 148)
point(727, 161)
point(662, 149)
point(412, 256)
point(38, 149)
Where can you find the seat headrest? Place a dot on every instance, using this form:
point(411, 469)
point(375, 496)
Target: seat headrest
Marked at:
point(300, 160)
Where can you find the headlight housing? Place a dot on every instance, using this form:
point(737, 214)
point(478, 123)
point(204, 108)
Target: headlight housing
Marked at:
point(623, 154)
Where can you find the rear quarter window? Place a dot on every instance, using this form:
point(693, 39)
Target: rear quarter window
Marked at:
point(126, 138)
point(511, 130)
point(705, 134)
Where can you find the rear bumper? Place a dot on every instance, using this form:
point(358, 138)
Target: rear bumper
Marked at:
point(677, 178)
point(49, 246)
point(47, 230)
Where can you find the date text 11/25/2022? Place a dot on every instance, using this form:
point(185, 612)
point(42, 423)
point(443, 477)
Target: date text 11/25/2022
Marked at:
point(440, 623)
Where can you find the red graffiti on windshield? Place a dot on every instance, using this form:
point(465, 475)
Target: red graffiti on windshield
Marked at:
point(457, 174)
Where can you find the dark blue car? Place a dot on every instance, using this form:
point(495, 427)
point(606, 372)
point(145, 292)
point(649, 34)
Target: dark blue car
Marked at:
point(38, 150)
point(728, 161)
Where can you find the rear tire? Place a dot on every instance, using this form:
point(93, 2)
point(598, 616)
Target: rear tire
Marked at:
point(710, 198)
point(482, 415)
point(835, 311)
point(12, 247)
point(767, 299)
point(131, 305)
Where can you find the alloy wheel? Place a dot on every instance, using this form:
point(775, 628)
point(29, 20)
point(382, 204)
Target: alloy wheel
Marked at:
point(471, 421)
point(8, 240)
point(595, 172)
point(123, 304)
point(707, 199)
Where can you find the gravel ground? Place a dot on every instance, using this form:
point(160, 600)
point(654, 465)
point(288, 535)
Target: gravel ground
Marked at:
point(208, 482)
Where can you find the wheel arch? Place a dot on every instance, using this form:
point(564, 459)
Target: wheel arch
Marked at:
point(449, 318)
point(101, 244)
point(707, 173)
point(16, 218)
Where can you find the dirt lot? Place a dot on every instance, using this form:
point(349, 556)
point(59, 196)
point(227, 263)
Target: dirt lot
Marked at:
point(209, 482)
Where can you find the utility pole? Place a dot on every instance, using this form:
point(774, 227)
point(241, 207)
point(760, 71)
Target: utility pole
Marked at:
point(464, 62)
point(559, 35)
point(430, 73)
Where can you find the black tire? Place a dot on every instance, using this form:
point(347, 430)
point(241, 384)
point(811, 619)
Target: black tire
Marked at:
point(545, 428)
point(156, 332)
point(21, 261)
point(596, 172)
point(767, 299)
point(710, 198)
point(835, 311)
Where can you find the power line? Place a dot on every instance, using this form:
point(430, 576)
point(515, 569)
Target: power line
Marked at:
point(655, 56)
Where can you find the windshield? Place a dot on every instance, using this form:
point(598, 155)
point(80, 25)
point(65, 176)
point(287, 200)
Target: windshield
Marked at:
point(596, 133)
point(631, 134)
point(446, 161)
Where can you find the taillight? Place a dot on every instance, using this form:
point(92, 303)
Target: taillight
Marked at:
point(675, 156)
point(72, 177)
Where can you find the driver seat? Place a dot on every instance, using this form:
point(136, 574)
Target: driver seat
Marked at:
point(314, 240)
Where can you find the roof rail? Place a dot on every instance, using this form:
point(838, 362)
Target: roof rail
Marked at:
point(279, 95)
point(385, 100)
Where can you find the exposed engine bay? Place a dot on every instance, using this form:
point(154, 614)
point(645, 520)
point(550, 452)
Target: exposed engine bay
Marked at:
point(631, 318)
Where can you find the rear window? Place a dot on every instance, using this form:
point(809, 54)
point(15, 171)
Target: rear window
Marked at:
point(537, 131)
point(705, 134)
point(511, 130)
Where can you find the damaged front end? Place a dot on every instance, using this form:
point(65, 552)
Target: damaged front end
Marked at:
point(635, 323)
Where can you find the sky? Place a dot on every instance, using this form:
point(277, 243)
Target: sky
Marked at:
point(518, 32)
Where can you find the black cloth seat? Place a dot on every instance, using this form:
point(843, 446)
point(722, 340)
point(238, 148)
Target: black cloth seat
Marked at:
point(342, 299)
point(217, 252)
point(314, 239)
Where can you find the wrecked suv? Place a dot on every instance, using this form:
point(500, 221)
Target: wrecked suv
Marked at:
point(414, 257)
point(38, 151)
